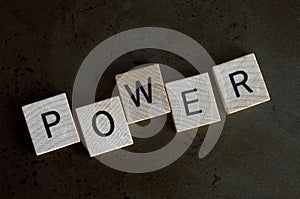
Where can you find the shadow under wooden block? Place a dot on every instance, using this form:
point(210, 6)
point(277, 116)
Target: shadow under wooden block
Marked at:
point(104, 126)
point(143, 93)
point(50, 124)
point(192, 102)
point(240, 83)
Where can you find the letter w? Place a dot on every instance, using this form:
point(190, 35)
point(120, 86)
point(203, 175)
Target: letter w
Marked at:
point(139, 87)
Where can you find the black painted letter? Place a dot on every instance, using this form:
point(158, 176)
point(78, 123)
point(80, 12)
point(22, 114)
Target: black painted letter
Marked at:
point(235, 85)
point(186, 103)
point(111, 121)
point(138, 87)
point(47, 126)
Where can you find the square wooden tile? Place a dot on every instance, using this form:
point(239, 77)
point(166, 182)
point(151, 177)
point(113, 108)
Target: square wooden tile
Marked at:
point(192, 102)
point(104, 126)
point(50, 124)
point(142, 93)
point(240, 83)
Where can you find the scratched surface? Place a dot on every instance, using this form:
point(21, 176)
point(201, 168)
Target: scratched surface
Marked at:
point(43, 44)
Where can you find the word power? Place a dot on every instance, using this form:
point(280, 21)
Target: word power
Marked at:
point(144, 95)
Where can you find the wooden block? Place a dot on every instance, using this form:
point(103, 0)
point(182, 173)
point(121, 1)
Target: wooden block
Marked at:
point(192, 102)
point(240, 83)
point(104, 126)
point(50, 124)
point(142, 93)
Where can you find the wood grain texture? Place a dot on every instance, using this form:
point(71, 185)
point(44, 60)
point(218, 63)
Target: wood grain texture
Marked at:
point(192, 102)
point(257, 93)
point(159, 104)
point(119, 137)
point(63, 133)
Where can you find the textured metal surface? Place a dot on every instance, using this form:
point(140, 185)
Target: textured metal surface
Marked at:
point(43, 44)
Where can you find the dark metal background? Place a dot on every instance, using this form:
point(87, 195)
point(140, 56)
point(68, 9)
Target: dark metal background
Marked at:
point(42, 44)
